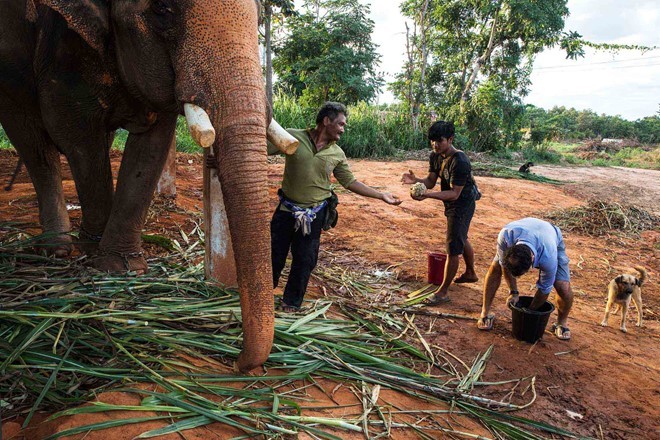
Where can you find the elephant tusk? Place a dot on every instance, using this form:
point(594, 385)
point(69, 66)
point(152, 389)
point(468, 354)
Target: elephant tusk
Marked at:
point(281, 138)
point(199, 125)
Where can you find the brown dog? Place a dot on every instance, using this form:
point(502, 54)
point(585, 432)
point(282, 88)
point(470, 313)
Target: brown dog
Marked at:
point(620, 290)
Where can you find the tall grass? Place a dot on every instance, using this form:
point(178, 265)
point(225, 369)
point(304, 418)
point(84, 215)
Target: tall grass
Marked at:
point(4, 140)
point(67, 333)
point(372, 131)
point(542, 153)
point(184, 142)
point(290, 114)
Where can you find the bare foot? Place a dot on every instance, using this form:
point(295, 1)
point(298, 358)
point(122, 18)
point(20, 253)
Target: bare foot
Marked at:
point(465, 278)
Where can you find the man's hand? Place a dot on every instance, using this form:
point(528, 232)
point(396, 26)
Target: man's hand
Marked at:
point(418, 198)
point(512, 299)
point(408, 178)
point(391, 199)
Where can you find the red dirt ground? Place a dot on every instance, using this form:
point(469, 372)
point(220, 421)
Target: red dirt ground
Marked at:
point(608, 377)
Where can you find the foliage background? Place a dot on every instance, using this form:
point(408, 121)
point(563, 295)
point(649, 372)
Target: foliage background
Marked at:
point(467, 61)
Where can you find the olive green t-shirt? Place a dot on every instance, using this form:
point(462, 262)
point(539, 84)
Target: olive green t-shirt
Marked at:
point(307, 172)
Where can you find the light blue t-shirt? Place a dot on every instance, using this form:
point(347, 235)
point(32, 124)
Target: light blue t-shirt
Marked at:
point(545, 241)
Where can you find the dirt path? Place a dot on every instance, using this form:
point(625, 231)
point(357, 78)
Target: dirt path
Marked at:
point(608, 378)
point(617, 184)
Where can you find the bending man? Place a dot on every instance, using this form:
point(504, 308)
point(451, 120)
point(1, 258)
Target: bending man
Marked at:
point(521, 245)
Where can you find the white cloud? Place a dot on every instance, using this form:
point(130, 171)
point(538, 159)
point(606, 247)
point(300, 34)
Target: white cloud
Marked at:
point(390, 35)
point(626, 84)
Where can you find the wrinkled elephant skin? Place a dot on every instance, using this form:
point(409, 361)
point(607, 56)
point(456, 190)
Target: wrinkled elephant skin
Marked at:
point(74, 71)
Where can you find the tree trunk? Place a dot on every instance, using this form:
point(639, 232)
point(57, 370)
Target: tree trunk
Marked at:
point(423, 24)
point(268, 18)
point(481, 60)
point(417, 52)
point(410, 71)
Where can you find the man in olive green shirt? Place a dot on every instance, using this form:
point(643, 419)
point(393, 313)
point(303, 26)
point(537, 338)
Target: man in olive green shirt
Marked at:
point(306, 188)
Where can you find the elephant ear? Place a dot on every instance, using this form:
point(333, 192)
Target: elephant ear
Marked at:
point(88, 18)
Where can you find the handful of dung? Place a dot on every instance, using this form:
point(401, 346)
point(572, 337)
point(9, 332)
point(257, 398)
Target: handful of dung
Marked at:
point(418, 189)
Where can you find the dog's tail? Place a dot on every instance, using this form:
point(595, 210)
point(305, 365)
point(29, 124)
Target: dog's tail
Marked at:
point(642, 274)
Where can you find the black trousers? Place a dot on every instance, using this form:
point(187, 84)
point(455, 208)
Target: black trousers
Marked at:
point(304, 253)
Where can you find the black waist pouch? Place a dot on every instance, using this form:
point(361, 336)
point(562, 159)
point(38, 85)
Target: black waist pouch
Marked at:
point(477, 193)
point(331, 215)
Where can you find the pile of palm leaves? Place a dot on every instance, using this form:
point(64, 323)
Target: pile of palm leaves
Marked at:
point(68, 333)
point(598, 218)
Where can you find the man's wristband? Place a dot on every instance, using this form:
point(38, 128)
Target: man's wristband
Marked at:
point(514, 292)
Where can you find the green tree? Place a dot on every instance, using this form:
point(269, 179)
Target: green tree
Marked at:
point(585, 124)
point(411, 83)
point(272, 10)
point(647, 130)
point(562, 122)
point(480, 44)
point(328, 54)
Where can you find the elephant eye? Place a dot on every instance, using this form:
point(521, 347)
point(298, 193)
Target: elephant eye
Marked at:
point(161, 7)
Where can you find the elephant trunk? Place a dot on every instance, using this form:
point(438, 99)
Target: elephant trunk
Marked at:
point(240, 149)
point(241, 155)
point(217, 68)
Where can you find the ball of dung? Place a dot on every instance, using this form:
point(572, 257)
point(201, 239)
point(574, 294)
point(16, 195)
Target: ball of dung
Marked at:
point(418, 189)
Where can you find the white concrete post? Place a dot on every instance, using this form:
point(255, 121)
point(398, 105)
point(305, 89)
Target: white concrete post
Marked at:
point(219, 264)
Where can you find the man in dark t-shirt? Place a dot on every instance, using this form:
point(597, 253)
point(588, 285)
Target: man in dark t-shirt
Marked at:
point(458, 193)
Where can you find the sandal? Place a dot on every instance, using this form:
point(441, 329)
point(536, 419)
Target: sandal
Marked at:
point(486, 323)
point(463, 279)
point(561, 332)
point(436, 300)
point(282, 307)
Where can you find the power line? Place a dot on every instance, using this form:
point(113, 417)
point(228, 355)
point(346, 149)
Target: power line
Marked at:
point(600, 68)
point(592, 64)
point(638, 65)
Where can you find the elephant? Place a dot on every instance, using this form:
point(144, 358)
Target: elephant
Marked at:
point(72, 72)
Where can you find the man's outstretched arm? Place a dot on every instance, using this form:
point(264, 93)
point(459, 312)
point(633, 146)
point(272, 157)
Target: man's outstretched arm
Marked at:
point(360, 188)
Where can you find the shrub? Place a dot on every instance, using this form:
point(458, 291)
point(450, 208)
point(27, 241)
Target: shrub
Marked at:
point(4, 140)
point(185, 142)
point(290, 114)
point(540, 154)
point(574, 159)
point(119, 142)
point(537, 135)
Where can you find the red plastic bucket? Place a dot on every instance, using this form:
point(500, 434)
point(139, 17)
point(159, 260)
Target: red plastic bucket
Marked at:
point(436, 272)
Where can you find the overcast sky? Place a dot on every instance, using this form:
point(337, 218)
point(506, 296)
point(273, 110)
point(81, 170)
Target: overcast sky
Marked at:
point(626, 84)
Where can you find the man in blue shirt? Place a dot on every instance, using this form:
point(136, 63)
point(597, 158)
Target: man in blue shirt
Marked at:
point(523, 244)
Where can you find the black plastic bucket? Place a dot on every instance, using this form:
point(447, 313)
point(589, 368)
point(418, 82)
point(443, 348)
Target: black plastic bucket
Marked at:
point(529, 325)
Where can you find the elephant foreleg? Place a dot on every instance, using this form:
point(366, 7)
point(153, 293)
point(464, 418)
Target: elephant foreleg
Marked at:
point(142, 163)
point(90, 166)
point(42, 161)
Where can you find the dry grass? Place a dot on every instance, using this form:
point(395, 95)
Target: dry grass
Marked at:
point(598, 218)
point(68, 332)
